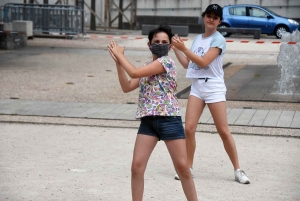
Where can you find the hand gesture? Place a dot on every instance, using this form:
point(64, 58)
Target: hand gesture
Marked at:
point(114, 48)
point(178, 43)
point(113, 56)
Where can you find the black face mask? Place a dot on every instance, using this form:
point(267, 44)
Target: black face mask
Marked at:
point(160, 49)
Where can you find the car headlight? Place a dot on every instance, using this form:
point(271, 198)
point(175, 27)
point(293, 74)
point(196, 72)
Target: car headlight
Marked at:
point(293, 22)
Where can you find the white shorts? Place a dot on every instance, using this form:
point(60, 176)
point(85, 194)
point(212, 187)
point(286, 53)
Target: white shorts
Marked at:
point(212, 91)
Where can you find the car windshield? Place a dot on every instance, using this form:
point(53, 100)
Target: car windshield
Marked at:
point(272, 12)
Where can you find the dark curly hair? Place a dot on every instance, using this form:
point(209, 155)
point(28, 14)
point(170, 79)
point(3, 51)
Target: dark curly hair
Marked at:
point(162, 28)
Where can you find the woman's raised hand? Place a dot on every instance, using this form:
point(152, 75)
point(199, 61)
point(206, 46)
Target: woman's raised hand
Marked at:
point(178, 43)
point(115, 48)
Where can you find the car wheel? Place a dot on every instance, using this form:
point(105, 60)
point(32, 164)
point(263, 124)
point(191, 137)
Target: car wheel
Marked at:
point(225, 34)
point(280, 30)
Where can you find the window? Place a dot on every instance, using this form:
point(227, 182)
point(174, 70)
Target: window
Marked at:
point(241, 11)
point(255, 12)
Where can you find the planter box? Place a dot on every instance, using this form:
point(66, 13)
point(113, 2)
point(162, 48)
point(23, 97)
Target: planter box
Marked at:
point(23, 26)
point(10, 40)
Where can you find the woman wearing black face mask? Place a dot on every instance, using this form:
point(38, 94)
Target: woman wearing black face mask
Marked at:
point(160, 50)
point(158, 110)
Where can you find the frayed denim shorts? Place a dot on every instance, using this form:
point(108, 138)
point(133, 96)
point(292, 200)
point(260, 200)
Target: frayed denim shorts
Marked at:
point(162, 127)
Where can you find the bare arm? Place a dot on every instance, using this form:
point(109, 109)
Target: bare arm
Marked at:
point(183, 60)
point(126, 85)
point(210, 55)
point(151, 69)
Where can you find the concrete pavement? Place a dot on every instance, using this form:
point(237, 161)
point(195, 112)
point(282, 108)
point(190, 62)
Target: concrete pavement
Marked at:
point(236, 116)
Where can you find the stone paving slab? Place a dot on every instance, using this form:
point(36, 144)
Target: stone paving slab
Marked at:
point(236, 116)
point(272, 118)
point(233, 115)
point(258, 117)
point(205, 116)
point(286, 119)
point(295, 124)
point(256, 83)
point(245, 117)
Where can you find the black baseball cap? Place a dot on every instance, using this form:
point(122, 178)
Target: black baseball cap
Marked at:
point(215, 8)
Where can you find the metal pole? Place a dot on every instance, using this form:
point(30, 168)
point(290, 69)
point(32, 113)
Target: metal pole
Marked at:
point(80, 4)
point(105, 14)
point(132, 15)
point(109, 14)
point(45, 21)
point(24, 11)
point(92, 17)
point(120, 26)
point(101, 11)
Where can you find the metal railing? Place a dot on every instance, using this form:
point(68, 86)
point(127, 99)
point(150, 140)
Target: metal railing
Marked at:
point(63, 19)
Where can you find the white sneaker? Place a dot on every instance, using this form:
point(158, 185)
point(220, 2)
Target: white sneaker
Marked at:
point(177, 177)
point(240, 176)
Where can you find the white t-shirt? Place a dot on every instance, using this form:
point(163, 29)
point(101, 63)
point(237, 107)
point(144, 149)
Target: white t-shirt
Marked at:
point(200, 46)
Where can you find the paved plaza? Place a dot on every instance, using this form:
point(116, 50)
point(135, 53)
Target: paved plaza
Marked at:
point(67, 130)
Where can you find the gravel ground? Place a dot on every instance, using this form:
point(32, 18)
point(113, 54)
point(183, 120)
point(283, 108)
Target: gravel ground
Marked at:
point(76, 163)
point(82, 71)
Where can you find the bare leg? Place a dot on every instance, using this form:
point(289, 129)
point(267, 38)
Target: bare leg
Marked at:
point(177, 150)
point(219, 114)
point(194, 110)
point(143, 148)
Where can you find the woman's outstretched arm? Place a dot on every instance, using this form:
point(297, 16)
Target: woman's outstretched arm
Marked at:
point(151, 69)
point(126, 85)
point(183, 60)
point(204, 61)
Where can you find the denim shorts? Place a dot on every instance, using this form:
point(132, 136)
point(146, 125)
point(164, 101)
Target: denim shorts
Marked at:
point(162, 127)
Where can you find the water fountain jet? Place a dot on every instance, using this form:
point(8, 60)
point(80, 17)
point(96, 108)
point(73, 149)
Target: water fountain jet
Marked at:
point(289, 63)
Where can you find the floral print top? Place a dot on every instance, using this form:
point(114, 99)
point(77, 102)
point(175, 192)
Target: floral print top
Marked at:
point(157, 94)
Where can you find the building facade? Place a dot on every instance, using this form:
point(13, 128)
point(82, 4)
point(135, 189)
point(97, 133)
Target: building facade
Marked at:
point(179, 8)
